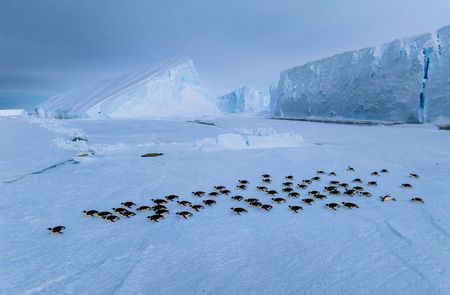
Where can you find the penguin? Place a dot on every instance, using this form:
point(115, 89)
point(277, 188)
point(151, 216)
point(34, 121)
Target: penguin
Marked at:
point(272, 192)
point(103, 214)
point(159, 201)
point(209, 202)
point(365, 194)
point(302, 186)
point(293, 195)
point(349, 193)
point(406, 185)
point(417, 200)
point(334, 182)
point(343, 185)
point(308, 201)
point(261, 188)
point(287, 190)
point(384, 171)
point(330, 188)
point(243, 181)
point(267, 180)
point(266, 176)
point(237, 198)
point(266, 207)
point(357, 180)
point(350, 169)
point(219, 187)
point(155, 218)
point(128, 204)
point(372, 183)
point(241, 187)
point(251, 200)
point(387, 198)
point(332, 173)
point(161, 212)
point(278, 200)
point(320, 197)
point(313, 193)
point(172, 198)
point(119, 210)
point(375, 173)
point(306, 181)
point(127, 214)
point(197, 207)
point(213, 194)
point(225, 192)
point(320, 172)
point(160, 207)
point(332, 206)
point(184, 214)
point(295, 209)
point(413, 175)
point(111, 218)
point(358, 188)
point(255, 204)
point(287, 184)
point(90, 213)
point(349, 205)
point(289, 177)
point(238, 210)
point(198, 194)
point(57, 229)
point(335, 193)
point(316, 178)
point(184, 203)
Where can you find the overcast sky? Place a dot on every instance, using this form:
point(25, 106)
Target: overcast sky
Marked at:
point(49, 46)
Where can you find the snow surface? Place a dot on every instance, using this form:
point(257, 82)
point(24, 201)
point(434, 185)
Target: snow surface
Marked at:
point(12, 112)
point(381, 248)
point(244, 100)
point(171, 89)
point(383, 83)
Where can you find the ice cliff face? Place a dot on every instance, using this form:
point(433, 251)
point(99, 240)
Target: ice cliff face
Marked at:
point(244, 100)
point(406, 80)
point(171, 89)
point(437, 84)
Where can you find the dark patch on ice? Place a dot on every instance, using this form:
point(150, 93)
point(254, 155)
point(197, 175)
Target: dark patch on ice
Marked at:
point(40, 171)
point(202, 122)
point(54, 166)
point(444, 127)
point(334, 121)
point(78, 138)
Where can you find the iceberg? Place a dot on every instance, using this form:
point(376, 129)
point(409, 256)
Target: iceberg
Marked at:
point(171, 89)
point(244, 100)
point(404, 81)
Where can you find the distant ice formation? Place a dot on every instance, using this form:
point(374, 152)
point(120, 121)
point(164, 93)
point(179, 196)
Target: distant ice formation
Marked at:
point(12, 112)
point(171, 89)
point(244, 100)
point(407, 80)
point(242, 139)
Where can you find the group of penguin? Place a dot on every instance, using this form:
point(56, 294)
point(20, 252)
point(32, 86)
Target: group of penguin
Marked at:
point(334, 188)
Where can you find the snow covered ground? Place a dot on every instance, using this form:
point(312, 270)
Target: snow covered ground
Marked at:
point(381, 248)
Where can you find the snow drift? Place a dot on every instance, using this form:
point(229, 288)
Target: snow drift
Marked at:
point(244, 100)
point(171, 89)
point(406, 80)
